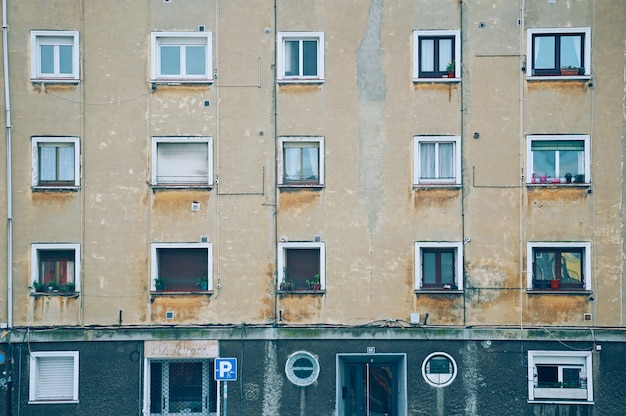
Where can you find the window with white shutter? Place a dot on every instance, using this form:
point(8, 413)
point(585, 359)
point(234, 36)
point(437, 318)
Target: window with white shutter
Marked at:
point(53, 377)
point(182, 161)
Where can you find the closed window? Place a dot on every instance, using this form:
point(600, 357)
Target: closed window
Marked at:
point(55, 267)
point(559, 266)
point(558, 159)
point(301, 56)
point(438, 266)
point(55, 162)
point(559, 52)
point(560, 376)
point(436, 54)
point(182, 267)
point(182, 56)
point(437, 160)
point(182, 387)
point(301, 161)
point(54, 55)
point(53, 377)
point(182, 161)
point(301, 266)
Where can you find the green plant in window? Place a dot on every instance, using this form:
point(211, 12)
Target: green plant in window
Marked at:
point(160, 283)
point(450, 67)
point(203, 282)
point(37, 286)
point(314, 283)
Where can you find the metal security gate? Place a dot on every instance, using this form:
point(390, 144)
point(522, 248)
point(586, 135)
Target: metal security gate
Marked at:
point(182, 387)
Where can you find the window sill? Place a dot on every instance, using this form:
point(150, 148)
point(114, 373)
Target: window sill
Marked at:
point(301, 185)
point(53, 402)
point(55, 293)
point(206, 187)
point(55, 188)
point(436, 80)
point(581, 292)
point(558, 78)
point(436, 186)
point(558, 185)
point(301, 292)
point(438, 292)
point(301, 81)
point(172, 293)
point(55, 81)
point(551, 401)
point(178, 82)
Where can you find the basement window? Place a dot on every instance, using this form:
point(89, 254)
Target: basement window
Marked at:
point(560, 376)
point(301, 265)
point(55, 162)
point(182, 267)
point(53, 377)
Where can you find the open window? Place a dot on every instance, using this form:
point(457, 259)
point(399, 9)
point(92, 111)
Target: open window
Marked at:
point(53, 377)
point(564, 52)
point(301, 161)
point(436, 55)
point(558, 159)
point(560, 376)
point(182, 267)
point(301, 266)
point(182, 57)
point(559, 266)
point(54, 56)
point(55, 268)
point(300, 57)
point(55, 162)
point(436, 161)
point(438, 266)
point(182, 161)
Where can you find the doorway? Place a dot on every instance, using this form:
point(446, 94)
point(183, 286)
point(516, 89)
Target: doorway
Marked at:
point(371, 384)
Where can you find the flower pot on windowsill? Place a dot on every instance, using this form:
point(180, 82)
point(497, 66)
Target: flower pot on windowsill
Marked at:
point(450, 74)
point(555, 283)
point(569, 72)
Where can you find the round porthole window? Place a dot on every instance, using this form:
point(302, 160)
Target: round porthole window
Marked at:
point(302, 368)
point(439, 369)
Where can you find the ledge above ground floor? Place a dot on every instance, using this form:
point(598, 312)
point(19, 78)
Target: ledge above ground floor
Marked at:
point(382, 330)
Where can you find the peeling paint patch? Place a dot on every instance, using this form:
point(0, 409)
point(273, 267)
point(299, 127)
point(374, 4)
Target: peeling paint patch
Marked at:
point(296, 198)
point(300, 307)
point(294, 89)
point(175, 200)
point(435, 198)
point(186, 308)
point(559, 86)
point(55, 88)
point(272, 382)
point(45, 198)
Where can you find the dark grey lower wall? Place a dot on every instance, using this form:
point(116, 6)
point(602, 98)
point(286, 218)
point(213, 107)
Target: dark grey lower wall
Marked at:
point(491, 378)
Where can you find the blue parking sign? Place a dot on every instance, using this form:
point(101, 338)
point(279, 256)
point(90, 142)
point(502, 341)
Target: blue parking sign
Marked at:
point(225, 369)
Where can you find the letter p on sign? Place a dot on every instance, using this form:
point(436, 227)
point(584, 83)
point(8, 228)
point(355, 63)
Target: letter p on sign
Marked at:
point(225, 369)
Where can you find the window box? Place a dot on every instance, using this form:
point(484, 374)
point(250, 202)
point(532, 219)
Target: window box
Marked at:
point(182, 162)
point(436, 161)
point(53, 377)
point(568, 263)
point(436, 55)
point(178, 267)
point(181, 57)
point(561, 52)
point(558, 159)
point(55, 163)
point(55, 268)
point(438, 266)
point(560, 376)
point(300, 57)
point(54, 56)
point(300, 262)
point(301, 162)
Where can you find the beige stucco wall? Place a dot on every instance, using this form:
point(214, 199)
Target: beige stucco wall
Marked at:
point(368, 111)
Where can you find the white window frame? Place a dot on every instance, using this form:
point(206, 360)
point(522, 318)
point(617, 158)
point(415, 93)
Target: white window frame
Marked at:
point(560, 395)
point(183, 39)
point(417, 34)
point(558, 31)
point(33, 392)
point(182, 140)
point(289, 36)
point(154, 269)
point(281, 162)
point(282, 258)
point(36, 141)
point(570, 137)
point(456, 181)
point(53, 37)
point(531, 245)
point(438, 245)
point(36, 248)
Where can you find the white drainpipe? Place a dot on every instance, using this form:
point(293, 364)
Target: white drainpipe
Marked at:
point(7, 103)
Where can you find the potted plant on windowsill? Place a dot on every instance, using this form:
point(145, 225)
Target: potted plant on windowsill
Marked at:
point(68, 287)
point(52, 286)
point(314, 284)
point(160, 283)
point(37, 286)
point(287, 285)
point(555, 283)
point(450, 69)
point(203, 282)
point(580, 178)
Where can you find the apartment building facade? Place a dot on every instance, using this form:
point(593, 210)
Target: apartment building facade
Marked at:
point(297, 207)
